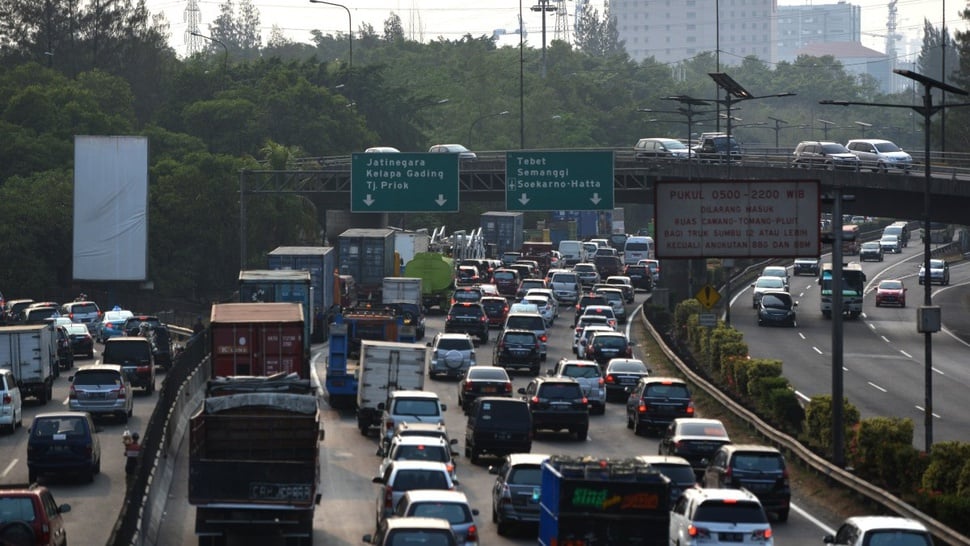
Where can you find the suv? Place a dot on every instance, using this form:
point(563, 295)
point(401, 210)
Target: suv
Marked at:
point(469, 318)
point(407, 428)
point(64, 442)
point(518, 349)
point(133, 324)
point(756, 468)
point(483, 381)
point(565, 286)
point(83, 312)
point(420, 448)
point(865, 530)
point(507, 281)
point(880, 155)
point(585, 301)
point(101, 389)
point(939, 272)
point(496, 308)
point(805, 265)
point(13, 310)
point(608, 265)
point(515, 498)
point(621, 375)
point(871, 250)
point(393, 531)
point(530, 321)
point(134, 355)
point(528, 284)
point(656, 401)
point(38, 315)
point(624, 283)
point(661, 148)
point(587, 273)
point(557, 403)
point(640, 276)
point(451, 355)
point(695, 440)
point(421, 406)
point(822, 154)
point(605, 346)
point(33, 507)
point(725, 516)
point(399, 477)
point(467, 294)
point(717, 148)
point(590, 378)
point(11, 402)
point(615, 298)
point(497, 426)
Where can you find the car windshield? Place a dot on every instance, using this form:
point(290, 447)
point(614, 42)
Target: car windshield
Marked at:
point(891, 285)
point(455, 344)
point(453, 512)
point(777, 301)
point(504, 276)
point(467, 295)
point(674, 145)
point(885, 147)
point(873, 246)
point(16, 509)
point(585, 268)
point(416, 407)
point(735, 512)
point(936, 264)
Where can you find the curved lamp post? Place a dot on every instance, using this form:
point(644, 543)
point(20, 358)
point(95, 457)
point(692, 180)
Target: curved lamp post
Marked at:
point(350, 29)
point(471, 128)
point(225, 49)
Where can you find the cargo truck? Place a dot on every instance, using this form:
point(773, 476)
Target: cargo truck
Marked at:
point(258, 339)
point(406, 245)
point(586, 501)
point(30, 352)
point(404, 295)
point(254, 460)
point(367, 254)
point(275, 286)
point(348, 331)
point(503, 231)
point(437, 274)
point(320, 262)
point(386, 367)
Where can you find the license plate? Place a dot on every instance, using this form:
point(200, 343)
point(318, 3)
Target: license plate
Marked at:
point(488, 389)
point(731, 537)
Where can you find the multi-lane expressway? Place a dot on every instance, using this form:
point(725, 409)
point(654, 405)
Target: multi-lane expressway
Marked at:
point(883, 354)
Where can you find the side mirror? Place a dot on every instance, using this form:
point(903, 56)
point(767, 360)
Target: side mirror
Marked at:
point(521, 390)
point(493, 470)
point(70, 379)
point(444, 407)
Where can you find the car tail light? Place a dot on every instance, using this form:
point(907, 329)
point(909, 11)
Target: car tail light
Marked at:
point(122, 393)
point(8, 399)
point(388, 497)
point(71, 316)
point(698, 532)
point(600, 382)
point(505, 495)
point(610, 379)
point(585, 401)
point(643, 407)
point(472, 535)
point(143, 369)
point(543, 338)
point(72, 394)
point(690, 409)
point(761, 534)
point(727, 474)
point(534, 400)
point(450, 467)
point(507, 387)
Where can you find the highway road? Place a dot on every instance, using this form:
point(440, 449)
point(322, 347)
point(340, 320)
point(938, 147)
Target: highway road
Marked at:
point(94, 506)
point(348, 464)
point(883, 354)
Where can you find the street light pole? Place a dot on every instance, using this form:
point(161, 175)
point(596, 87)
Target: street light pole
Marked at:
point(778, 123)
point(225, 49)
point(543, 6)
point(350, 29)
point(864, 126)
point(825, 127)
point(471, 128)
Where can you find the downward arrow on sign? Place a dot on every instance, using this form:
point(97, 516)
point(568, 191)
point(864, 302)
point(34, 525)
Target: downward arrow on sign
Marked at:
point(441, 200)
point(369, 200)
point(524, 199)
point(596, 198)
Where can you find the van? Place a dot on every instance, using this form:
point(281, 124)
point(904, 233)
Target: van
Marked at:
point(637, 248)
point(850, 239)
point(900, 230)
point(572, 251)
point(134, 355)
point(498, 426)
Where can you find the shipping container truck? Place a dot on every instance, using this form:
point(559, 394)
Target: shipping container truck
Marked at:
point(254, 460)
point(404, 293)
point(30, 352)
point(367, 254)
point(348, 331)
point(320, 262)
point(276, 286)
point(406, 245)
point(504, 230)
point(586, 501)
point(541, 252)
point(386, 367)
point(259, 339)
point(437, 274)
point(588, 222)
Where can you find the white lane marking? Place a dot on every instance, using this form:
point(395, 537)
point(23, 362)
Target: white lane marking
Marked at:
point(873, 385)
point(819, 351)
point(938, 371)
point(313, 371)
point(922, 409)
point(803, 513)
point(10, 466)
point(884, 338)
point(66, 401)
point(801, 335)
point(872, 326)
point(907, 355)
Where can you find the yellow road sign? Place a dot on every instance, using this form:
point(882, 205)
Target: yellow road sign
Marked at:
point(708, 296)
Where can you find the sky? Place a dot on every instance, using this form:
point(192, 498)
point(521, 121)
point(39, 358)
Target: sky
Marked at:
point(426, 20)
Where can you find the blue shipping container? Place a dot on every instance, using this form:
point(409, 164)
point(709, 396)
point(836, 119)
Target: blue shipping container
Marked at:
point(276, 286)
point(320, 261)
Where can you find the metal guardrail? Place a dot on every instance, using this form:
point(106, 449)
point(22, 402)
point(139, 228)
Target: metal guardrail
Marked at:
point(822, 466)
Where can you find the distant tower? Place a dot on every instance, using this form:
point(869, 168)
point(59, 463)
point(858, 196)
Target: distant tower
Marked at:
point(415, 25)
point(562, 21)
point(891, 32)
point(192, 16)
point(578, 8)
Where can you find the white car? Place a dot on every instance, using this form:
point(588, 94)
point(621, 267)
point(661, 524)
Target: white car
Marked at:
point(719, 516)
point(776, 271)
point(588, 320)
point(765, 284)
point(463, 152)
point(863, 530)
point(11, 403)
point(890, 243)
point(549, 293)
point(420, 448)
point(544, 306)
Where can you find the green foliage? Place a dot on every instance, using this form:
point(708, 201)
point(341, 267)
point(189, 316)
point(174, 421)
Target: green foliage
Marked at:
point(762, 368)
point(947, 461)
point(950, 508)
point(878, 446)
point(683, 312)
point(818, 422)
point(731, 352)
point(782, 407)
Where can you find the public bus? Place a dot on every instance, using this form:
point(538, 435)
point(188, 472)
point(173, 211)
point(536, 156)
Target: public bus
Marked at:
point(940, 233)
point(853, 286)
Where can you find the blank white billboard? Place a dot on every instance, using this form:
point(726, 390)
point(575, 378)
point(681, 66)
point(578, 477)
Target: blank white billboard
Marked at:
point(737, 219)
point(110, 208)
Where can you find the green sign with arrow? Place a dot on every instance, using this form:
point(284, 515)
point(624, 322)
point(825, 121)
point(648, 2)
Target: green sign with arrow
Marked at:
point(404, 182)
point(558, 181)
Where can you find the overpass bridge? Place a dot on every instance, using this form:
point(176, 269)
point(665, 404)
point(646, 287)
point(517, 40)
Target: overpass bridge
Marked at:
point(326, 182)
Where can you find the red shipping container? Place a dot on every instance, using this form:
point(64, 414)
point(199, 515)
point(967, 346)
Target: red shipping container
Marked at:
point(257, 339)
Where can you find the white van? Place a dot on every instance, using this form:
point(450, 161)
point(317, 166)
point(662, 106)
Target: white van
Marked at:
point(636, 248)
point(571, 251)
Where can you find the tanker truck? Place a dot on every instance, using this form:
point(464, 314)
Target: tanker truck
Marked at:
point(437, 278)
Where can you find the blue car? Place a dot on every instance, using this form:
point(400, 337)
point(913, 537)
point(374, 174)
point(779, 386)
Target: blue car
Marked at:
point(113, 324)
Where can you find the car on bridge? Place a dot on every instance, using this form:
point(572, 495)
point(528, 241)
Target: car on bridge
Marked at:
point(661, 148)
point(821, 154)
point(880, 155)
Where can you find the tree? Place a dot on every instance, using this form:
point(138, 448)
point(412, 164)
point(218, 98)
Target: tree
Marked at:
point(393, 29)
point(238, 29)
point(595, 37)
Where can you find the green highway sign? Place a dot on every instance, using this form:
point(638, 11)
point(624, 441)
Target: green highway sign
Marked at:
point(558, 181)
point(404, 182)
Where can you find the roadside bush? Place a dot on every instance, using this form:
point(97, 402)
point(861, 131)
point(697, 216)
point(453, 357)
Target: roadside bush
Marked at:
point(950, 509)
point(818, 423)
point(684, 311)
point(781, 405)
point(947, 461)
point(762, 368)
point(878, 448)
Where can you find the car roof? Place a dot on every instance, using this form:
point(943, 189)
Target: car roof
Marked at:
point(673, 381)
point(723, 494)
point(441, 495)
point(417, 439)
point(408, 393)
point(60, 414)
point(417, 523)
point(577, 362)
point(663, 459)
point(869, 523)
point(419, 465)
point(527, 458)
point(754, 447)
point(99, 367)
point(618, 361)
point(453, 335)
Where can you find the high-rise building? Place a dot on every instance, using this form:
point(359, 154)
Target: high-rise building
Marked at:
point(800, 26)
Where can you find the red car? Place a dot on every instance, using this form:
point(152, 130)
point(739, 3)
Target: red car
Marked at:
point(497, 308)
point(891, 292)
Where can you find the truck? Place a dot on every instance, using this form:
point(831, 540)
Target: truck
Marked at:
point(320, 262)
point(259, 339)
point(280, 285)
point(349, 329)
point(437, 274)
point(406, 245)
point(540, 252)
point(405, 293)
point(367, 254)
point(29, 351)
point(386, 367)
point(503, 231)
point(587, 500)
point(254, 459)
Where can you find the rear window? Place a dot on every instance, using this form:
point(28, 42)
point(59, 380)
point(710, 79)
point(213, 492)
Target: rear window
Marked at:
point(488, 373)
point(504, 276)
point(677, 473)
point(520, 338)
point(493, 306)
point(406, 480)
point(525, 323)
point(468, 295)
point(451, 344)
point(761, 462)
point(421, 453)
point(117, 351)
point(559, 390)
point(49, 427)
point(610, 341)
point(637, 246)
point(668, 391)
point(526, 475)
point(581, 371)
point(736, 512)
point(97, 377)
point(451, 511)
point(84, 308)
point(16, 509)
point(897, 538)
point(504, 412)
point(419, 537)
point(568, 278)
point(415, 407)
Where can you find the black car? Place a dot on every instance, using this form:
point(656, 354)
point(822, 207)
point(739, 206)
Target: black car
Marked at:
point(557, 403)
point(133, 324)
point(777, 308)
point(605, 346)
point(718, 148)
point(498, 426)
point(805, 266)
point(65, 351)
point(757, 468)
point(622, 375)
point(640, 276)
point(656, 402)
point(469, 318)
point(695, 440)
point(607, 266)
point(161, 340)
point(64, 442)
point(483, 381)
point(518, 349)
